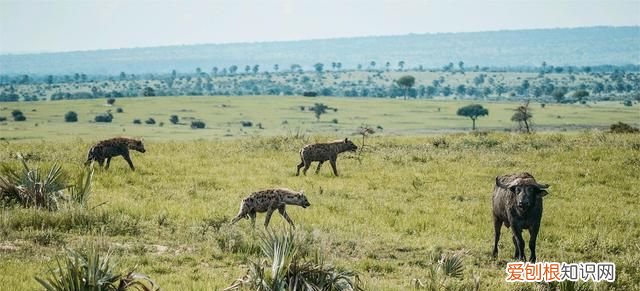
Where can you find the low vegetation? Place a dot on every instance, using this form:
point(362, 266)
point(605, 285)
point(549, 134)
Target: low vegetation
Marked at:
point(91, 271)
point(398, 207)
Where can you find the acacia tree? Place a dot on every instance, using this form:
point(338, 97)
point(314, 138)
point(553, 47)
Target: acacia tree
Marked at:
point(406, 81)
point(319, 109)
point(473, 111)
point(523, 117)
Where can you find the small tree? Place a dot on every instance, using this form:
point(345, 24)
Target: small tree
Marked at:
point(71, 116)
point(174, 119)
point(150, 121)
point(319, 109)
point(148, 92)
point(111, 101)
point(558, 94)
point(523, 117)
point(473, 111)
point(318, 67)
point(364, 131)
point(406, 82)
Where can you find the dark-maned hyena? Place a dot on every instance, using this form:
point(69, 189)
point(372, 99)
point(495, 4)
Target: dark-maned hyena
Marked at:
point(114, 147)
point(321, 152)
point(269, 200)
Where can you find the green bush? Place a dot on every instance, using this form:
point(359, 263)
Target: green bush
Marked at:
point(622, 127)
point(197, 124)
point(104, 117)
point(174, 119)
point(18, 115)
point(286, 266)
point(92, 271)
point(71, 116)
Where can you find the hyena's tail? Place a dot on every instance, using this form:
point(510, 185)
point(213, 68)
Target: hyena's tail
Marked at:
point(90, 156)
point(243, 213)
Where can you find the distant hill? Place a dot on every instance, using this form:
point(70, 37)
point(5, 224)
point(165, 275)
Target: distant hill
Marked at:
point(575, 46)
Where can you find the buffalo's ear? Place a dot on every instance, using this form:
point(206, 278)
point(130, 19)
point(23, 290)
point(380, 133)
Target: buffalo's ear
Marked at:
point(542, 193)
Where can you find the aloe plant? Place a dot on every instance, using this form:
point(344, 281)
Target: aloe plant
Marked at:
point(42, 188)
point(286, 268)
point(92, 272)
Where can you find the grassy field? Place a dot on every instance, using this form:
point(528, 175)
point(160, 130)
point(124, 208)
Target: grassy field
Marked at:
point(282, 115)
point(397, 203)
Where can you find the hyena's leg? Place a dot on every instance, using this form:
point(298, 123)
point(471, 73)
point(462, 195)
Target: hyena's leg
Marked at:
point(300, 165)
point(283, 212)
point(252, 215)
point(108, 162)
point(333, 166)
point(307, 164)
point(128, 159)
point(319, 165)
point(266, 220)
point(101, 162)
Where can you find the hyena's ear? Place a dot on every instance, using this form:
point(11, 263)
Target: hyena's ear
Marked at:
point(301, 192)
point(346, 139)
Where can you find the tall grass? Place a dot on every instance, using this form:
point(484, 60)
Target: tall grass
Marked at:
point(394, 203)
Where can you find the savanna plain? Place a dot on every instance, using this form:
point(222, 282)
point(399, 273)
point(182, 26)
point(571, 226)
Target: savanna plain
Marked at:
point(420, 187)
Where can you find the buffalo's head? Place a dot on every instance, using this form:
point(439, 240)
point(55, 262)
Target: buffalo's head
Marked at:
point(525, 190)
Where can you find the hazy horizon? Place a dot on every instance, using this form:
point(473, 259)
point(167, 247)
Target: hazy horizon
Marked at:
point(28, 27)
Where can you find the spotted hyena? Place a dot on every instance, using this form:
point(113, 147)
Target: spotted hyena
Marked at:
point(114, 147)
point(269, 200)
point(321, 152)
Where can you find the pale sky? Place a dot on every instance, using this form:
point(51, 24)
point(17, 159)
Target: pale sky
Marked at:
point(28, 26)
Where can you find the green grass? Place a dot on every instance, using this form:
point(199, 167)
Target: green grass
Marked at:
point(397, 202)
point(223, 115)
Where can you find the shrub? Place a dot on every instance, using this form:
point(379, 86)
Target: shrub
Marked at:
point(628, 103)
point(174, 119)
point(104, 117)
point(2, 118)
point(137, 121)
point(247, 123)
point(32, 187)
point(309, 94)
point(286, 266)
point(111, 101)
point(622, 127)
point(197, 124)
point(71, 116)
point(335, 120)
point(18, 115)
point(150, 121)
point(161, 124)
point(92, 271)
point(119, 110)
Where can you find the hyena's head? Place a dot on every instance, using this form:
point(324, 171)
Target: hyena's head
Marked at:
point(137, 145)
point(301, 199)
point(349, 145)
